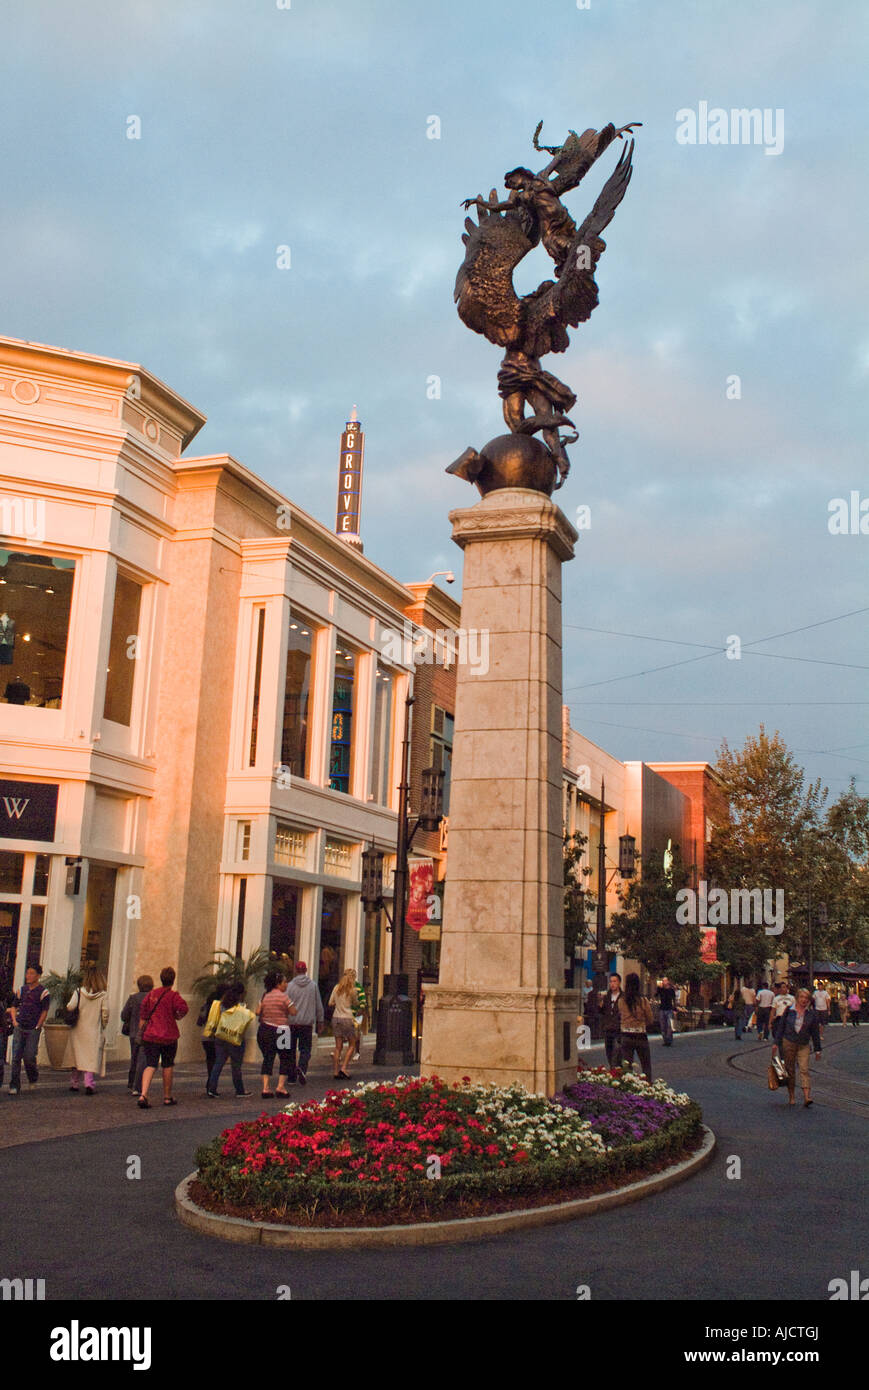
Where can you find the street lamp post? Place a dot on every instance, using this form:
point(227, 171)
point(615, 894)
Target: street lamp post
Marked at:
point(394, 1046)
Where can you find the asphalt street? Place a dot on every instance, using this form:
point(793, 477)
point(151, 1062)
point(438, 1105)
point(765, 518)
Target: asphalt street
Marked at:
point(796, 1217)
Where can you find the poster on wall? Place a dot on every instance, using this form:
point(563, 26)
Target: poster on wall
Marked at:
point(420, 891)
point(28, 810)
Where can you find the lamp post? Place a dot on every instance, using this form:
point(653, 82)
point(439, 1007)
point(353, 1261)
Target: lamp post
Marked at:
point(394, 1046)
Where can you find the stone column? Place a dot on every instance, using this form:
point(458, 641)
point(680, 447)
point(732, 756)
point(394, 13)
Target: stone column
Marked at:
point(500, 1011)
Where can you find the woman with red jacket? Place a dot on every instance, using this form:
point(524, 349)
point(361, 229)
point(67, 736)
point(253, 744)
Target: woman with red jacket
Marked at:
point(158, 1028)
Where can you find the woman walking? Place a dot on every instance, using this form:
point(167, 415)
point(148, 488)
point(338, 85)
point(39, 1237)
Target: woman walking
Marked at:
point(87, 1038)
point(274, 1012)
point(130, 1021)
point(158, 1030)
point(343, 999)
point(635, 1013)
point(227, 1024)
point(793, 1031)
point(854, 1006)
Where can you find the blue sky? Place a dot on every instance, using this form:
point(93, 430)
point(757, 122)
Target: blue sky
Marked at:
point(306, 127)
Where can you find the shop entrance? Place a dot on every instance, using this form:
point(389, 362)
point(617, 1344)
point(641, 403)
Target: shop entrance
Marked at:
point(331, 942)
point(282, 933)
point(10, 914)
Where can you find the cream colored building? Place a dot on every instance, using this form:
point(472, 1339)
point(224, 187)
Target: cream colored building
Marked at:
point(195, 710)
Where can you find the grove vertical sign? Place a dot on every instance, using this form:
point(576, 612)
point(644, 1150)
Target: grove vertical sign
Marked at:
point(350, 481)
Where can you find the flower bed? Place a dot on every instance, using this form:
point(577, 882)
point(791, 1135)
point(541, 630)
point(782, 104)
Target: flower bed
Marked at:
point(418, 1149)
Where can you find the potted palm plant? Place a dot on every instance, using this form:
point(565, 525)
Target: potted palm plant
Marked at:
point(225, 969)
point(61, 988)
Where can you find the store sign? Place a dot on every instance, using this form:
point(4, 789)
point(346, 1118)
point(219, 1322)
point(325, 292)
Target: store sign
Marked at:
point(28, 810)
point(350, 480)
point(421, 895)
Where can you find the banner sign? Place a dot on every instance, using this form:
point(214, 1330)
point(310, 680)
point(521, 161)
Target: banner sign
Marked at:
point(709, 945)
point(350, 479)
point(420, 892)
point(28, 810)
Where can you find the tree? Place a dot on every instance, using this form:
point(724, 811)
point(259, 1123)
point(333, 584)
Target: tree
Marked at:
point(578, 901)
point(844, 887)
point(648, 929)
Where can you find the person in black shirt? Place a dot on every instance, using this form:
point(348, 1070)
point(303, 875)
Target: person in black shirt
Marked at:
point(612, 1024)
point(667, 1010)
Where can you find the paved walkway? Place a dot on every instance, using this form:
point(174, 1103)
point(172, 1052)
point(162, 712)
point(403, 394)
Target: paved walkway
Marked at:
point(82, 1224)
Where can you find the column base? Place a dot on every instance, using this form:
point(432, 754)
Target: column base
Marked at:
point(522, 1035)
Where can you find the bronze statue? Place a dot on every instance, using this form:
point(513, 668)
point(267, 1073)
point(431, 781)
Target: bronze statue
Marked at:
point(537, 323)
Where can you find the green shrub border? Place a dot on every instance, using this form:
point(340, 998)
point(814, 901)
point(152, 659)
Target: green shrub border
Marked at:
point(276, 1195)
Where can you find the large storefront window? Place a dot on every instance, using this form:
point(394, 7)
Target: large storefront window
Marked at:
point(35, 601)
point(381, 782)
point(343, 708)
point(123, 650)
point(10, 914)
point(282, 935)
point(297, 698)
point(331, 943)
point(99, 912)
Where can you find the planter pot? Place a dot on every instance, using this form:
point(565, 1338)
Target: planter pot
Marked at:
point(56, 1037)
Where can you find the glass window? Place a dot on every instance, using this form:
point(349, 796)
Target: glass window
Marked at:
point(35, 600)
point(443, 726)
point(11, 871)
point(380, 785)
point(282, 936)
point(40, 875)
point(35, 935)
point(297, 697)
point(331, 943)
point(9, 915)
point(123, 650)
point(99, 912)
point(257, 682)
point(343, 706)
point(244, 839)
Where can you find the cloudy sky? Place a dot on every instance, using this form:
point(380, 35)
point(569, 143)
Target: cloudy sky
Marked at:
point(307, 127)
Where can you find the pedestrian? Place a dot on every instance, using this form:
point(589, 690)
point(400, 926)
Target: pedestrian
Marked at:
point(611, 1021)
point(274, 1012)
point(765, 1001)
point(227, 1023)
point(783, 1001)
point(88, 1037)
point(201, 1020)
point(130, 1029)
point(343, 1001)
point(29, 1009)
point(302, 992)
point(158, 1031)
point(737, 1012)
point(5, 1024)
point(821, 1004)
point(667, 1010)
point(749, 1001)
point(855, 1004)
point(636, 1014)
point(794, 1029)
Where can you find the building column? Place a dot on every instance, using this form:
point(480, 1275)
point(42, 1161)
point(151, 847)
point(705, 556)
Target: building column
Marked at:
point(500, 1012)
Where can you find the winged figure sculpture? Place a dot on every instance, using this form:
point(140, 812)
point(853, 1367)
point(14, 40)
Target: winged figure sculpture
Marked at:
point(537, 323)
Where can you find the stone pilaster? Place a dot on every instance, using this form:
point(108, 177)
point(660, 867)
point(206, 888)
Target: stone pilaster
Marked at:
point(500, 1011)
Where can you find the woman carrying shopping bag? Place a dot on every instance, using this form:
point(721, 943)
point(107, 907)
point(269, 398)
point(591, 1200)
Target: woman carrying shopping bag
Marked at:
point(228, 1022)
point(88, 1036)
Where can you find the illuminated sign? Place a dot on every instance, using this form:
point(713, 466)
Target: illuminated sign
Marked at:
point(350, 480)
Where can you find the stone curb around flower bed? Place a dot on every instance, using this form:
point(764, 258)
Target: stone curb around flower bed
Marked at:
point(275, 1234)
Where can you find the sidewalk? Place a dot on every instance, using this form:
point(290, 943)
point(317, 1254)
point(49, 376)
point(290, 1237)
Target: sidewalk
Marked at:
point(49, 1110)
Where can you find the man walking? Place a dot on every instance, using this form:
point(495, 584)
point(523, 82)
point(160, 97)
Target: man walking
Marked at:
point(28, 1012)
point(783, 1001)
point(612, 1022)
point(821, 1002)
point(749, 1002)
point(765, 1000)
point(302, 992)
point(667, 1009)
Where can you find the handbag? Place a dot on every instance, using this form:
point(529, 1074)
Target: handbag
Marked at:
point(72, 1015)
point(232, 1025)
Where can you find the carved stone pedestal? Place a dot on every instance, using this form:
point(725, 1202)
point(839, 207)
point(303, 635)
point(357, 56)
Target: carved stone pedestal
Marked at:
point(500, 1011)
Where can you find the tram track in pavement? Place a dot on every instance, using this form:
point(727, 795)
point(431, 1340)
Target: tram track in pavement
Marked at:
point(836, 1093)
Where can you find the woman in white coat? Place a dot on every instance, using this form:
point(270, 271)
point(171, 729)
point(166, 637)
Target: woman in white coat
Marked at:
point(87, 1039)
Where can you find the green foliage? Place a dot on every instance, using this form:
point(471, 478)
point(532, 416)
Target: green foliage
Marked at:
point(224, 969)
point(647, 929)
point(579, 902)
point(61, 988)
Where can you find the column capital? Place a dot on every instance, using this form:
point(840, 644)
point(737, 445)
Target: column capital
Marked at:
point(511, 513)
